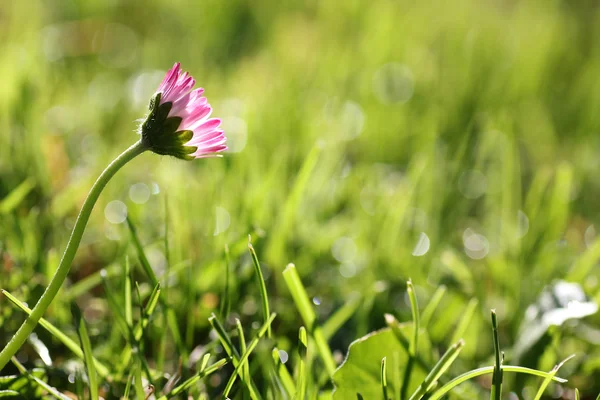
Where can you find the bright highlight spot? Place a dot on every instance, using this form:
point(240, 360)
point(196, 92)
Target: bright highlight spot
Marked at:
point(115, 212)
point(139, 193)
point(422, 246)
point(283, 356)
point(476, 246)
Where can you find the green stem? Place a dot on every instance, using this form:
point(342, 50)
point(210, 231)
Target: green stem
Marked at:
point(65, 264)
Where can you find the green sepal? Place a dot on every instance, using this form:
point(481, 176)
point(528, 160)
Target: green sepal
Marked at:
point(160, 132)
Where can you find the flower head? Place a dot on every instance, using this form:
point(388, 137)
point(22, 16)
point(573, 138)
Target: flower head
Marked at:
point(178, 123)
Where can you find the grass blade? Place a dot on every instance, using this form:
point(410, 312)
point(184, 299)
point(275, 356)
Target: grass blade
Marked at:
point(127, 294)
point(128, 386)
point(62, 337)
point(548, 379)
point(394, 325)
point(191, 381)
point(171, 317)
point(87, 351)
point(440, 367)
point(115, 308)
point(414, 343)
point(384, 378)
point(432, 306)
point(339, 318)
point(496, 393)
point(283, 374)
point(140, 393)
point(226, 303)
point(246, 354)
point(53, 391)
point(489, 370)
point(302, 351)
point(232, 352)
point(414, 307)
point(240, 330)
point(307, 313)
point(467, 316)
point(140, 252)
point(16, 196)
point(261, 282)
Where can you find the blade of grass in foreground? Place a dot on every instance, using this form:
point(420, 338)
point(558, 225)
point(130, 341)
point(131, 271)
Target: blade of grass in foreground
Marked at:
point(62, 337)
point(87, 351)
point(394, 325)
point(414, 343)
point(10, 393)
point(384, 378)
point(551, 375)
point(53, 391)
point(232, 352)
point(496, 393)
point(261, 282)
point(240, 330)
point(283, 374)
point(488, 370)
point(302, 351)
point(191, 381)
point(16, 196)
point(339, 318)
point(282, 228)
point(226, 302)
point(302, 302)
point(465, 320)
point(170, 313)
point(439, 368)
point(128, 386)
point(140, 393)
point(432, 306)
point(246, 354)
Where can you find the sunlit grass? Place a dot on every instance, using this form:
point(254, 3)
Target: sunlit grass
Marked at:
point(357, 128)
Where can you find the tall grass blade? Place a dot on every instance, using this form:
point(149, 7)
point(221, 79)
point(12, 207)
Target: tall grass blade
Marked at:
point(465, 320)
point(244, 358)
point(438, 394)
point(307, 314)
point(548, 379)
point(432, 306)
point(232, 352)
point(262, 286)
point(52, 390)
point(191, 381)
point(226, 300)
point(341, 316)
point(496, 393)
point(302, 351)
point(62, 337)
point(87, 351)
point(384, 385)
point(436, 372)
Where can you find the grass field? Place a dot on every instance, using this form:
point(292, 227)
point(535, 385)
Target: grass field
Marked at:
point(455, 144)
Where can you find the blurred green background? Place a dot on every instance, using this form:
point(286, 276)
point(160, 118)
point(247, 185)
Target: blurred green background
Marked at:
point(454, 143)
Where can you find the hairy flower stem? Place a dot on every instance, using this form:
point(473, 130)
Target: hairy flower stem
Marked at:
point(65, 263)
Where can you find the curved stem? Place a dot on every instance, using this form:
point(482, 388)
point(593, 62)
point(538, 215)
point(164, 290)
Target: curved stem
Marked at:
point(65, 263)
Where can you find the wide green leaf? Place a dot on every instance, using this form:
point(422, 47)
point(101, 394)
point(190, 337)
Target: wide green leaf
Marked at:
point(361, 371)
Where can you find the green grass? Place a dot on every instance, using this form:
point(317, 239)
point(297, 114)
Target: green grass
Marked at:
point(452, 143)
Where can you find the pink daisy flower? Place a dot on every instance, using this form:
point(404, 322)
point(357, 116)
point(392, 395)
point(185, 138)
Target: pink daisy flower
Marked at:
point(178, 123)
